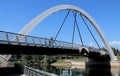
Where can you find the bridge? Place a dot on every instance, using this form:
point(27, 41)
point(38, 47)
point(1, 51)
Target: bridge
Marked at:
point(22, 43)
point(25, 44)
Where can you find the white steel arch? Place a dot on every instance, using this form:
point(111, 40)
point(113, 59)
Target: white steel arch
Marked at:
point(33, 23)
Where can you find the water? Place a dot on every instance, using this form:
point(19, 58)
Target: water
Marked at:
point(61, 71)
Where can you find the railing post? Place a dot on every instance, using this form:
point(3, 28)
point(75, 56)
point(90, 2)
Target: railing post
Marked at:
point(17, 39)
point(45, 42)
point(26, 40)
point(7, 37)
point(33, 41)
point(40, 41)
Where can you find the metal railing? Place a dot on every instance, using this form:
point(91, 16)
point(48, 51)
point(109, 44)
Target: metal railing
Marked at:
point(28, 71)
point(19, 39)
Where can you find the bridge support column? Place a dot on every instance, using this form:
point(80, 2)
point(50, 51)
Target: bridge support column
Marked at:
point(95, 60)
point(98, 65)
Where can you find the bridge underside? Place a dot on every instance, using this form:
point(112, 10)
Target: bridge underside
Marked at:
point(30, 50)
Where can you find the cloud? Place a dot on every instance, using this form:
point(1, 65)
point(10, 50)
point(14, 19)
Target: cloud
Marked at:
point(114, 43)
point(91, 44)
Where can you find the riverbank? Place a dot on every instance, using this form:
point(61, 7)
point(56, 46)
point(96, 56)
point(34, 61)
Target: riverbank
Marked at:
point(62, 64)
point(69, 64)
point(80, 64)
point(115, 64)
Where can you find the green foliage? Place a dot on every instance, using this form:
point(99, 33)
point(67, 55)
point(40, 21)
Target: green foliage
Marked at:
point(116, 51)
point(26, 59)
point(118, 57)
point(62, 61)
point(80, 59)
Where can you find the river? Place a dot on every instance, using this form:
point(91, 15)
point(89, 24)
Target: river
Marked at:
point(61, 71)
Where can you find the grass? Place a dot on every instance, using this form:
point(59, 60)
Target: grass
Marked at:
point(61, 61)
point(74, 59)
point(79, 59)
point(118, 57)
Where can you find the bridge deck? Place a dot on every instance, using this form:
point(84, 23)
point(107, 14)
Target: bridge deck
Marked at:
point(20, 49)
point(12, 43)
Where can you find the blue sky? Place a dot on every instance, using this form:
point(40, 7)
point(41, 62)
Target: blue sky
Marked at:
point(15, 14)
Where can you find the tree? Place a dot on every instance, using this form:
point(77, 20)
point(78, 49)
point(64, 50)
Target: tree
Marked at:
point(116, 51)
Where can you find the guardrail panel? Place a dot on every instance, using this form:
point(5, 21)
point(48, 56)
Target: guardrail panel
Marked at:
point(19, 39)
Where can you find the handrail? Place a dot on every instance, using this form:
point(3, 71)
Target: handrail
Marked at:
point(29, 71)
point(19, 39)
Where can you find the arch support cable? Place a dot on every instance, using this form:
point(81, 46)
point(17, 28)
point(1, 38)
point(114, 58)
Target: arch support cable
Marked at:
point(75, 20)
point(90, 31)
point(73, 32)
point(61, 25)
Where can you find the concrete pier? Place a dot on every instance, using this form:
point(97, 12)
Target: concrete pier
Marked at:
point(95, 60)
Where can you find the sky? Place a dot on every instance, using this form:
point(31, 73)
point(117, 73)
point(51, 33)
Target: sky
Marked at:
point(15, 14)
